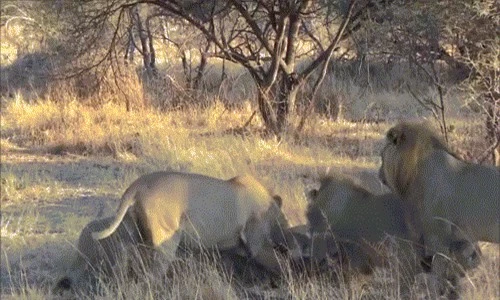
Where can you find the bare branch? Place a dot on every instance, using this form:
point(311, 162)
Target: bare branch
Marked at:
point(251, 22)
point(276, 55)
point(326, 55)
point(313, 37)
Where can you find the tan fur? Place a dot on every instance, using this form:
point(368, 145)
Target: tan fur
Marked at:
point(295, 240)
point(358, 219)
point(403, 153)
point(455, 200)
point(370, 181)
point(202, 211)
point(100, 256)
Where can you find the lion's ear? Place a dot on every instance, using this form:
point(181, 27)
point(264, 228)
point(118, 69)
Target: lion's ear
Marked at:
point(278, 200)
point(396, 136)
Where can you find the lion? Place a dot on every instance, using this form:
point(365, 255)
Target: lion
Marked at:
point(101, 255)
point(455, 201)
point(370, 181)
point(204, 212)
point(358, 220)
point(291, 247)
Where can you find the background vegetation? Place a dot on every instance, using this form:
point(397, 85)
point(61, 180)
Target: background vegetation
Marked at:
point(97, 93)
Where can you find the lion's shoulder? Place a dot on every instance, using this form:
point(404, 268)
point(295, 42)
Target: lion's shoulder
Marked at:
point(251, 185)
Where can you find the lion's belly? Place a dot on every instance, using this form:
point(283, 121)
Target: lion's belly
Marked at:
point(217, 213)
point(473, 220)
point(481, 229)
point(212, 218)
point(479, 215)
point(217, 227)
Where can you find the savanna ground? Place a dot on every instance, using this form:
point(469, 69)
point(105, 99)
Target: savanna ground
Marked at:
point(66, 162)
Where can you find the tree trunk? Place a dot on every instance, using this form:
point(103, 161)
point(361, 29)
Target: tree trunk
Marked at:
point(277, 103)
point(286, 100)
point(130, 50)
point(493, 125)
point(185, 68)
point(146, 55)
point(201, 68)
point(152, 56)
point(164, 29)
point(266, 110)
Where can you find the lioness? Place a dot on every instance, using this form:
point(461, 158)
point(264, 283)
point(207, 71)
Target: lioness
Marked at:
point(205, 212)
point(103, 255)
point(357, 219)
point(455, 200)
point(292, 247)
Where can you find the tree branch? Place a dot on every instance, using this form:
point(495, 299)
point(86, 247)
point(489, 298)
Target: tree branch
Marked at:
point(326, 55)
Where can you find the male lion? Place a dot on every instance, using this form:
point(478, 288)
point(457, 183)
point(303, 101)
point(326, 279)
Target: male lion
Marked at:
point(203, 212)
point(358, 219)
point(455, 201)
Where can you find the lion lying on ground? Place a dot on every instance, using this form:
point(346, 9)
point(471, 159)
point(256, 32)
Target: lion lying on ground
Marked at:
point(118, 252)
point(100, 256)
point(358, 220)
point(292, 248)
point(161, 209)
point(456, 201)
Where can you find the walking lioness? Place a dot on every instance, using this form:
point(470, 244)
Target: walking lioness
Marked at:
point(204, 212)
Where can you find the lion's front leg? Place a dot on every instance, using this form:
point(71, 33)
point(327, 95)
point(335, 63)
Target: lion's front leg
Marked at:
point(440, 254)
point(438, 238)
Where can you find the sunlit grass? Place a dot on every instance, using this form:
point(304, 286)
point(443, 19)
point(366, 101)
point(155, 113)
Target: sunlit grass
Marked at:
point(28, 188)
point(80, 158)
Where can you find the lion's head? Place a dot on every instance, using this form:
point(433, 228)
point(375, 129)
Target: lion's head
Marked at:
point(407, 144)
point(357, 218)
point(95, 257)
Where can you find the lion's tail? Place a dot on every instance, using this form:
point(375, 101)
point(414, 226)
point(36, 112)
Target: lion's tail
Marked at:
point(127, 201)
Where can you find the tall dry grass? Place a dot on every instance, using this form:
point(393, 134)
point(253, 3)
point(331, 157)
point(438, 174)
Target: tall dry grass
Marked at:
point(62, 150)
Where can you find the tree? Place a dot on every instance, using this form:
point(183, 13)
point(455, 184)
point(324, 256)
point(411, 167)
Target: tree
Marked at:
point(266, 37)
point(263, 37)
point(463, 35)
point(478, 43)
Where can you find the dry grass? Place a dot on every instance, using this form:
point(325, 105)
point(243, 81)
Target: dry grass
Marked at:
point(65, 161)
